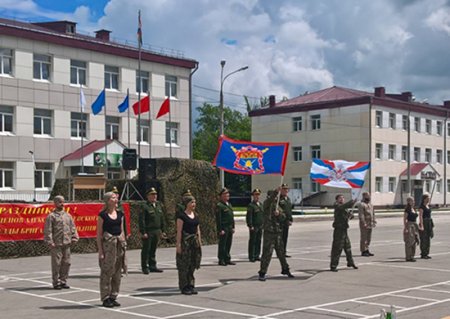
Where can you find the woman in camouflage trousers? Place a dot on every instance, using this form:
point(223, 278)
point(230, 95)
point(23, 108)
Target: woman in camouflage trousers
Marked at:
point(411, 230)
point(189, 253)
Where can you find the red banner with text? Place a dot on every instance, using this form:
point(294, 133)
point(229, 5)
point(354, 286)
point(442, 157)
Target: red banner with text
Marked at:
point(26, 221)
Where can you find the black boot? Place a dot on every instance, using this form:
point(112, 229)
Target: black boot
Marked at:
point(262, 276)
point(287, 273)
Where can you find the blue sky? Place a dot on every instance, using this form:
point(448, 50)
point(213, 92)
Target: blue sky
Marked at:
point(290, 46)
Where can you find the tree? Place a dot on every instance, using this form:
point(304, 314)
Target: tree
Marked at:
point(236, 126)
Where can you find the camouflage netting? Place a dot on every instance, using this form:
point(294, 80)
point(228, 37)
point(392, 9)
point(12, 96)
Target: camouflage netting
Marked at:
point(174, 176)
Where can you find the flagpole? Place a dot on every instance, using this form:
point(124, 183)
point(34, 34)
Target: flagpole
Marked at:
point(170, 132)
point(128, 109)
point(279, 193)
point(149, 128)
point(140, 84)
point(82, 129)
point(106, 144)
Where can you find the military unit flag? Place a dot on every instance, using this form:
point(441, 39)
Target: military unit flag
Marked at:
point(339, 173)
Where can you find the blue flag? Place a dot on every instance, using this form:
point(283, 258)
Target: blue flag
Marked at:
point(251, 158)
point(99, 103)
point(124, 105)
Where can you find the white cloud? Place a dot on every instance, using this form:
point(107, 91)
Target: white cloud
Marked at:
point(439, 20)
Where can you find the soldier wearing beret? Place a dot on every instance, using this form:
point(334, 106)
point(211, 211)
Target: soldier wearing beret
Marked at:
point(225, 227)
point(152, 227)
point(254, 219)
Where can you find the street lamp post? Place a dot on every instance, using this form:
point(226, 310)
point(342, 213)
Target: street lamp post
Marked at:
point(222, 80)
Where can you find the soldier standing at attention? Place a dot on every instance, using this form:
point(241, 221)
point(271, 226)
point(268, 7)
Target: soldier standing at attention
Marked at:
point(286, 206)
point(425, 226)
point(225, 227)
point(111, 246)
point(340, 236)
point(189, 251)
point(152, 227)
point(59, 233)
point(366, 223)
point(255, 218)
point(274, 220)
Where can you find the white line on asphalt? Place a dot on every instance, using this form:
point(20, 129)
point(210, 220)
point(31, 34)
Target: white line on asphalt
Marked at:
point(374, 303)
point(71, 291)
point(185, 314)
point(414, 297)
point(436, 290)
point(139, 306)
point(407, 267)
point(337, 311)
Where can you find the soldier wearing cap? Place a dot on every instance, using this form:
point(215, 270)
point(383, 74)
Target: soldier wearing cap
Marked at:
point(152, 227)
point(254, 219)
point(286, 206)
point(179, 209)
point(225, 227)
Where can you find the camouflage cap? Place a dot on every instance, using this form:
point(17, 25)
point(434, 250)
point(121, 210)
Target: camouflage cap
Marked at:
point(256, 191)
point(115, 190)
point(224, 191)
point(151, 190)
point(187, 192)
point(284, 185)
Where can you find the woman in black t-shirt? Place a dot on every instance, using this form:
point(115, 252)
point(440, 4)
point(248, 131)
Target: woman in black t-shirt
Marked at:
point(411, 230)
point(189, 253)
point(425, 226)
point(111, 249)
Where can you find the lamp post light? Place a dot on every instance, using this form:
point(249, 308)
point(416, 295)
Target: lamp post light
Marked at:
point(222, 80)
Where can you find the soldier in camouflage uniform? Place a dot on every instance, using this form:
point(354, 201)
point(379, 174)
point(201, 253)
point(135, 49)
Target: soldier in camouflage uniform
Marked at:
point(254, 219)
point(152, 227)
point(189, 253)
point(286, 206)
point(225, 227)
point(59, 233)
point(340, 236)
point(111, 245)
point(274, 219)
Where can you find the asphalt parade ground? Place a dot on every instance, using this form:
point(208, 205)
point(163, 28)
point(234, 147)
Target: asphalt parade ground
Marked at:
point(417, 290)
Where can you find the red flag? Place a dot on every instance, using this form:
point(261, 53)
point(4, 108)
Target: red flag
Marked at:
point(165, 108)
point(145, 105)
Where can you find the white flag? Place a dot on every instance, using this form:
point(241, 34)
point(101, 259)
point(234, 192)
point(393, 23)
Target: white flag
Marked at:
point(82, 99)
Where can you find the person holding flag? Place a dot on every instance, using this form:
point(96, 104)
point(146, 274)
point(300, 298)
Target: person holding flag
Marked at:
point(340, 235)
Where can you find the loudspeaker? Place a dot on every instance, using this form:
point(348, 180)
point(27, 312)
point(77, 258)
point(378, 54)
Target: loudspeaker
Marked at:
point(147, 169)
point(129, 159)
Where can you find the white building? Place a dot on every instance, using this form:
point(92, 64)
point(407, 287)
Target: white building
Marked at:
point(43, 66)
point(392, 131)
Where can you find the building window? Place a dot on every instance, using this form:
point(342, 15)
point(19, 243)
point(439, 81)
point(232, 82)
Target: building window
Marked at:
point(391, 184)
point(42, 122)
point(404, 187)
point(144, 133)
point(417, 124)
point(6, 175)
point(297, 151)
point(392, 120)
point(428, 126)
point(112, 127)
point(172, 133)
point(78, 72)
point(43, 176)
point(448, 157)
point(379, 119)
point(297, 124)
point(297, 183)
point(145, 80)
point(438, 186)
point(315, 151)
point(439, 156)
point(6, 61)
point(404, 153)
point(416, 154)
point(315, 187)
point(427, 186)
point(41, 67)
point(448, 129)
point(405, 123)
point(391, 152)
point(171, 86)
point(6, 119)
point(448, 185)
point(315, 122)
point(378, 184)
point(78, 124)
point(378, 150)
point(428, 155)
point(111, 77)
point(439, 128)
